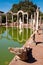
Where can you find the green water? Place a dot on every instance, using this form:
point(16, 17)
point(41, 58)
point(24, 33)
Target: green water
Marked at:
point(8, 38)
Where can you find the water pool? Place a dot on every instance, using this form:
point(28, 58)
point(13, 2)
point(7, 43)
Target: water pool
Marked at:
point(8, 38)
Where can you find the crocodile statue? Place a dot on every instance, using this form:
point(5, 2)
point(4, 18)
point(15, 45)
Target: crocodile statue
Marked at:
point(20, 52)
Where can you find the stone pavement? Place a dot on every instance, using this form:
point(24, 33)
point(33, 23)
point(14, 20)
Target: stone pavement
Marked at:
point(37, 53)
point(39, 36)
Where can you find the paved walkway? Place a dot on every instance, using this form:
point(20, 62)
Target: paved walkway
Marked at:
point(39, 36)
point(37, 51)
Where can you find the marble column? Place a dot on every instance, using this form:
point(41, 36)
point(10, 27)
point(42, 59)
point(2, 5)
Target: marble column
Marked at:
point(6, 21)
point(6, 26)
point(12, 21)
point(0, 19)
point(37, 11)
point(34, 21)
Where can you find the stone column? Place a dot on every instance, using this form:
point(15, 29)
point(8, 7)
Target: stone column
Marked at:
point(12, 26)
point(37, 11)
point(22, 19)
point(34, 21)
point(6, 26)
point(17, 20)
point(31, 21)
point(27, 18)
point(12, 21)
point(6, 21)
point(0, 19)
point(31, 18)
point(35, 16)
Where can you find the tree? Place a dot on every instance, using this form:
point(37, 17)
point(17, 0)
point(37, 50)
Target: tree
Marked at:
point(25, 5)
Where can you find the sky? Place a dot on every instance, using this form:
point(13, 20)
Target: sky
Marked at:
point(6, 5)
point(39, 4)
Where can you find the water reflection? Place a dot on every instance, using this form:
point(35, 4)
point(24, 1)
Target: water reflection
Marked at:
point(5, 42)
point(13, 34)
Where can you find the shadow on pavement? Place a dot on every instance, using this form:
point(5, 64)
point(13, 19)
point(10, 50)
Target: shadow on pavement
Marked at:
point(31, 59)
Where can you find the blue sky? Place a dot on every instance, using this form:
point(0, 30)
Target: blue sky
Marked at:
point(5, 5)
point(39, 4)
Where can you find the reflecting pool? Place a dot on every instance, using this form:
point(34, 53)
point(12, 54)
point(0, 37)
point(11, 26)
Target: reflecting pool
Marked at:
point(10, 37)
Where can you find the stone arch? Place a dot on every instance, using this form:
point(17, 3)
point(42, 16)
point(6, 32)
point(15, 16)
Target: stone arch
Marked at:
point(20, 11)
point(20, 14)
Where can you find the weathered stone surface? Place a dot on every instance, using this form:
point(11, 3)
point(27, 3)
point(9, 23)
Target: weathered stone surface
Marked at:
point(21, 52)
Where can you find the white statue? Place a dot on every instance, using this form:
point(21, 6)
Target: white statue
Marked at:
point(20, 25)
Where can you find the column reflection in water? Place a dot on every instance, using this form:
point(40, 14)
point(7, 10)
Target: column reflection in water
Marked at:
point(6, 27)
point(12, 33)
point(0, 34)
point(20, 31)
point(6, 31)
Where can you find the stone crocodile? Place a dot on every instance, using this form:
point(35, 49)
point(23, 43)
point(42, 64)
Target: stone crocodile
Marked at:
point(20, 52)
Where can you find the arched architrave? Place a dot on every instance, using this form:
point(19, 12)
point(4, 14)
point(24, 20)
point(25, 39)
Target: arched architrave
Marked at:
point(20, 11)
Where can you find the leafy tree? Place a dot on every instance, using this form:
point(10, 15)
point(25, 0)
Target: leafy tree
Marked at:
point(26, 6)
